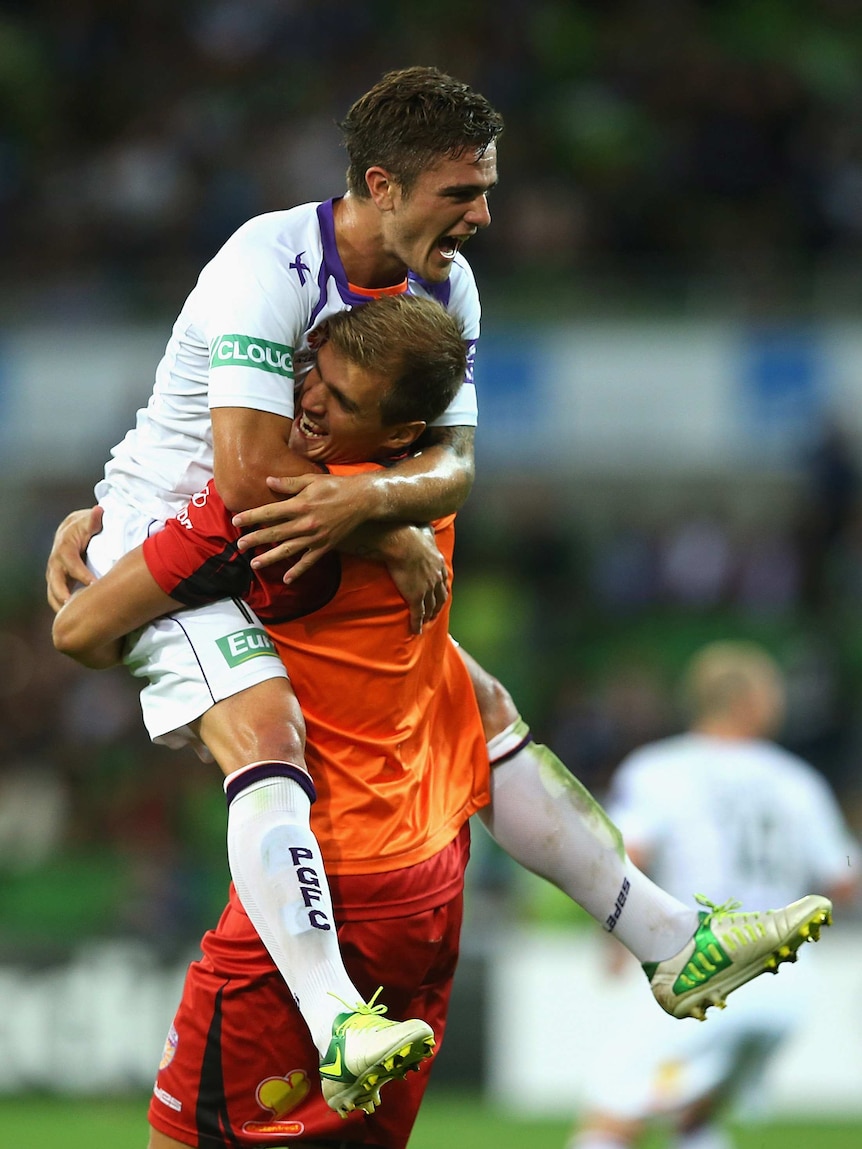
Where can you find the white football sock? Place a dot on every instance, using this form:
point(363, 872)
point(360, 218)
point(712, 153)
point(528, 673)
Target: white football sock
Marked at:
point(278, 872)
point(546, 820)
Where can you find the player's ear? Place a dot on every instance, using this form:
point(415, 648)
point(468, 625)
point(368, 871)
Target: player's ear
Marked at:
point(401, 436)
point(381, 187)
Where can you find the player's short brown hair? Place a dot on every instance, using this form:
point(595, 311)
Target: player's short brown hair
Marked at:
point(412, 342)
point(410, 119)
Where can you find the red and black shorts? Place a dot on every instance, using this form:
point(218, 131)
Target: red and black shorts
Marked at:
point(239, 1067)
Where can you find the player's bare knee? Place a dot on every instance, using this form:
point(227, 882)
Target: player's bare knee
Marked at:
point(263, 723)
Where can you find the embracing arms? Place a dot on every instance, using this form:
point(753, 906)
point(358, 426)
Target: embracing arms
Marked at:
point(321, 515)
point(318, 512)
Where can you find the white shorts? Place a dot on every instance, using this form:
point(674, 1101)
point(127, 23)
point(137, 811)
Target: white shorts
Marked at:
point(192, 658)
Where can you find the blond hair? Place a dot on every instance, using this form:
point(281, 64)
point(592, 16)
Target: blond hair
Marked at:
point(409, 341)
point(724, 672)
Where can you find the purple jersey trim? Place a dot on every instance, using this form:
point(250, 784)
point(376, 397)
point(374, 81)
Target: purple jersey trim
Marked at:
point(439, 291)
point(270, 770)
point(471, 360)
point(332, 265)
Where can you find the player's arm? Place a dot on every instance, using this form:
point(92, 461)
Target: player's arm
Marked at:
point(416, 566)
point(319, 512)
point(92, 624)
point(187, 563)
point(248, 445)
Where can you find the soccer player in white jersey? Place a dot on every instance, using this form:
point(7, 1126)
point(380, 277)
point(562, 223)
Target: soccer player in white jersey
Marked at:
point(422, 160)
point(724, 808)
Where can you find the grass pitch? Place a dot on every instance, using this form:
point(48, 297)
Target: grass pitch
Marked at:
point(457, 1122)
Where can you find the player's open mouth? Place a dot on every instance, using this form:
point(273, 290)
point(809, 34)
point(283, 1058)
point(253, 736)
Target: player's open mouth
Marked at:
point(450, 245)
point(309, 429)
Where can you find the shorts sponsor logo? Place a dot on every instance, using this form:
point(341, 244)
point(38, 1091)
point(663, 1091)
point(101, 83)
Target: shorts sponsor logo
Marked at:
point(171, 1043)
point(167, 1099)
point(245, 351)
point(274, 1128)
point(280, 1095)
point(199, 500)
point(242, 645)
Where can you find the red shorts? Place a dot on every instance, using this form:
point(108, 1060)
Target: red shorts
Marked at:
point(240, 1069)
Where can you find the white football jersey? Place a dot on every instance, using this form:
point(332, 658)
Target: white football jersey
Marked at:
point(728, 819)
point(241, 340)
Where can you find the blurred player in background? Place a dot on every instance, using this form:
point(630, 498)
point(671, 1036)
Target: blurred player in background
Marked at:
point(422, 160)
point(720, 808)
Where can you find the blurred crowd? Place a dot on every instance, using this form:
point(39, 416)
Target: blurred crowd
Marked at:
point(100, 832)
point(660, 137)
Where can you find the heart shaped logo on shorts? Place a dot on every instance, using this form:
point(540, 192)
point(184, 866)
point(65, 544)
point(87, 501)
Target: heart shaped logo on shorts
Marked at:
point(280, 1095)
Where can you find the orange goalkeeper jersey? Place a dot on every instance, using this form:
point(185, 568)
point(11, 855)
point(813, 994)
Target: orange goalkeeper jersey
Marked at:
point(395, 742)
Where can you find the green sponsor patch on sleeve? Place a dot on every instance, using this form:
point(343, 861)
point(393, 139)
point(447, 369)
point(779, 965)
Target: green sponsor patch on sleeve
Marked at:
point(246, 351)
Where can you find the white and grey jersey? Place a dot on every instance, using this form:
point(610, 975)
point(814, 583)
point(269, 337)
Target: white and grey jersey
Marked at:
point(241, 339)
point(726, 818)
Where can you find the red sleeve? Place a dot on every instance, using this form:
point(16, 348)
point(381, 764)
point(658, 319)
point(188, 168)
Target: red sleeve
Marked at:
point(195, 560)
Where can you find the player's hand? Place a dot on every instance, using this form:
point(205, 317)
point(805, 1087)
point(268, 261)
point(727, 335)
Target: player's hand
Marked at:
point(66, 565)
point(314, 515)
point(420, 573)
